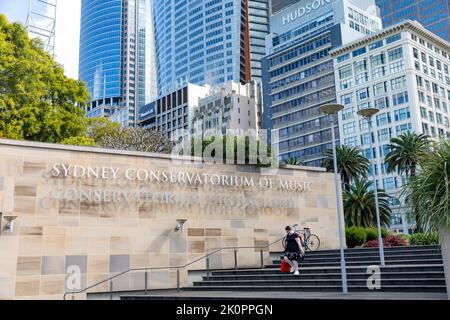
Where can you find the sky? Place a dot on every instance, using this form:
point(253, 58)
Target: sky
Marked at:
point(67, 29)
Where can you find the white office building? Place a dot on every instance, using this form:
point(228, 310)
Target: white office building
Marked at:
point(232, 107)
point(403, 71)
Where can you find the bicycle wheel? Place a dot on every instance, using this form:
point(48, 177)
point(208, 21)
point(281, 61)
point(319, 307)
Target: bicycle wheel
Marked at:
point(313, 243)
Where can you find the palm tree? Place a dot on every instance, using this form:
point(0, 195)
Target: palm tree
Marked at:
point(429, 195)
point(294, 162)
point(350, 161)
point(405, 153)
point(359, 205)
point(429, 192)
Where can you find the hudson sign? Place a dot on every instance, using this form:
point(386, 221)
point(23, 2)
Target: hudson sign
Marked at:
point(303, 10)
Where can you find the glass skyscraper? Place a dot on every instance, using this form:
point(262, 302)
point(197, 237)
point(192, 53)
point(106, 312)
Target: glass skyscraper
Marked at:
point(432, 14)
point(117, 59)
point(258, 12)
point(208, 42)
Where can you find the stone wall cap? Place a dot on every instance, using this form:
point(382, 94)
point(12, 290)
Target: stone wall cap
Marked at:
point(63, 147)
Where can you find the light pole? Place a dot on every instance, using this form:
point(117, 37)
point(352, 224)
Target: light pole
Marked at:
point(368, 114)
point(332, 110)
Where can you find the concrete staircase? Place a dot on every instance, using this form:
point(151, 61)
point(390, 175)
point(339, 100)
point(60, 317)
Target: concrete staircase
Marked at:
point(408, 269)
point(410, 273)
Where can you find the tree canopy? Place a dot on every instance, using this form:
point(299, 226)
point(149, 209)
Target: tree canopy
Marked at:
point(37, 101)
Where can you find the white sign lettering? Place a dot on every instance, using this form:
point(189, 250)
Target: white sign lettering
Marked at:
point(308, 8)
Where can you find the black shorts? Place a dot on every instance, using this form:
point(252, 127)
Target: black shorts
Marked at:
point(293, 256)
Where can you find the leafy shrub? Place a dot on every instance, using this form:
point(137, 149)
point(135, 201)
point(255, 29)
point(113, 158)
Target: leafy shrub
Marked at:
point(397, 241)
point(385, 233)
point(424, 239)
point(372, 234)
point(356, 236)
point(389, 241)
point(79, 141)
point(372, 244)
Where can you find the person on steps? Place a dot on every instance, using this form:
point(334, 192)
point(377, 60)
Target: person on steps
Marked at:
point(294, 250)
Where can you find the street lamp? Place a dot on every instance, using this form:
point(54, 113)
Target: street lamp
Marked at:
point(368, 114)
point(332, 110)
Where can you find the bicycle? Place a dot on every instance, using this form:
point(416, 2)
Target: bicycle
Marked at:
point(311, 241)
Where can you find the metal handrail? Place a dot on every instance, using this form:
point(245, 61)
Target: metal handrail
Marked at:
point(73, 293)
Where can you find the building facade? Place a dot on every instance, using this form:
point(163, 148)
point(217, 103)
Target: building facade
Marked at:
point(259, 26)
point(298, 74)
point(432, 14)
point(173, 112)
point(234, 108)
point(403, 71)
point(208, 42)
point(117, 57)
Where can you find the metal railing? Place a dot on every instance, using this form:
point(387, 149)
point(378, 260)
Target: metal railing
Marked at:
point(178, 268)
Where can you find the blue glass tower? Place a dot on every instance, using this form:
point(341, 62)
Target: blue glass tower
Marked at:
point(432, 14)
point(117, 57)
point(204, 42)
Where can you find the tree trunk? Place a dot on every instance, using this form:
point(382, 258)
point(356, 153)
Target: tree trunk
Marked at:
point(444, 239)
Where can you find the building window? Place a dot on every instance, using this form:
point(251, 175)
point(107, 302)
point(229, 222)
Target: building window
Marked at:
point(395, 54)
point(362, 78)
point(397, 66)
point(352, 141)
point(360, 66)
point(398, 83)
point(345, 72)
point(401, 129)
point(363, 94)
point(345, 84)
point(383, 119)
point(393, 38)
point(378, 60)
point(349, 128)
point(380, 88)
point(378, 72)
point(382, 103)
point(402, 114)
point(343, 57)
point(400, 98)
point(348, 113)
point(359, 51)
point(347, 99)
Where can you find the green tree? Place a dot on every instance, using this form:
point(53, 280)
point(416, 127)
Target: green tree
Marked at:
point(79, 141)
point(359, 205)
point(37, 101)
point(255, 151)
point(405, 153)
point(99, 128)
point(351, 164)
point(429, 192)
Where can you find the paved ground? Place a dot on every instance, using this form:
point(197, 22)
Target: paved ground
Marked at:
point(298, 295)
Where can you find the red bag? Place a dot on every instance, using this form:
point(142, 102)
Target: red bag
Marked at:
point(285, 267)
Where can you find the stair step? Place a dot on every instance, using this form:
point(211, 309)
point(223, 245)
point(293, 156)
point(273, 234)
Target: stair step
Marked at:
point(329, 288)
point(299, 281)
point(350, 269)
point(367, 257)
point(363, 263)
point(281, 276)
point(365, 250)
